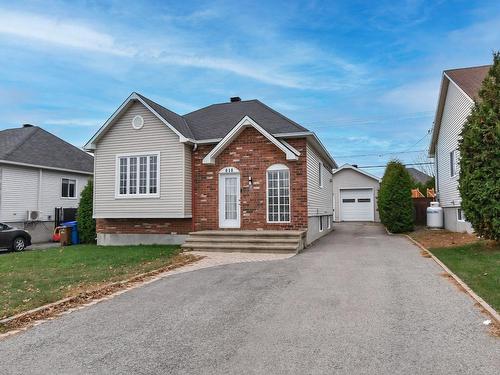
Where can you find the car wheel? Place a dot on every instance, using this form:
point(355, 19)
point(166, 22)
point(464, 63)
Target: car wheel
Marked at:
point(18, 244)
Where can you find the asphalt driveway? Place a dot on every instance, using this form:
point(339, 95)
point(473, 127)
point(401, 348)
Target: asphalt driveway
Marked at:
point(357, 302)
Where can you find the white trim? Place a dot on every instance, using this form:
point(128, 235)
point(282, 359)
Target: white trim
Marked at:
point(320, 174)
point(279, 167)
point(117, 176)
point(223, 173)
point(76, 188)
point(463, 215)
point(349, 166)
point(321, 228)
point(149, 215)
point(294, 134)
point(293, 149)
point(141, 119)
point(245, 122)
point(91, 145)
point(44, 167)
point(356, 188)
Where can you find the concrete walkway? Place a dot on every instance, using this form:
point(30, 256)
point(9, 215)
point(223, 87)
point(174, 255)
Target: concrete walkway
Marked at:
point(357, 302)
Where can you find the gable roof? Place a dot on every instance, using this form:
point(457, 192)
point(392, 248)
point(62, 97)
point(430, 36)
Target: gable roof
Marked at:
point(177, 121)
point(418, 176)
point(352, 167)
point(32, 145)
point(290, 152)
point(216, 120)
point(211, 124)
point(469, 81)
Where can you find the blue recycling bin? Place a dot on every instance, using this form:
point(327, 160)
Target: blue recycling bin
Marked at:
point(75, 240)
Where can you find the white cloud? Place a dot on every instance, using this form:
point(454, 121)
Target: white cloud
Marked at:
point(414, 96)
point(291, 69)
point(83, 122)
point(54, 31)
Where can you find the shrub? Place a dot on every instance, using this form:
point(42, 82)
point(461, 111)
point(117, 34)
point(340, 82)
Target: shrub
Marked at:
point(86, 224)
point(479, 148)
point(394, 198)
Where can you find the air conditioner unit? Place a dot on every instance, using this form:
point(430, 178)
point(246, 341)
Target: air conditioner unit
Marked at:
point(34, 215)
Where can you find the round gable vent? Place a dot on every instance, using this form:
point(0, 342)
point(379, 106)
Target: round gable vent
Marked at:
point(137, 122)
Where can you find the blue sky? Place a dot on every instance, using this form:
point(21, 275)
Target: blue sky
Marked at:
point(363, 75)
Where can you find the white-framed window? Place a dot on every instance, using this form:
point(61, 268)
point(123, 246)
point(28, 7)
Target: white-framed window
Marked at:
point(460, 215)
point(68, 188)
point(321, 223)
point(454, 163)
point(320, 174)
point(137, 175)
point(278, 194)
point(329, 221)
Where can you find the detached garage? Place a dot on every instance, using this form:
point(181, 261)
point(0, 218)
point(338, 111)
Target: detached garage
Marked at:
point(355, 194)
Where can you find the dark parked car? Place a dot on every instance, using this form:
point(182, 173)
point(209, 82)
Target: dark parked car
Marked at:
point(13, 238)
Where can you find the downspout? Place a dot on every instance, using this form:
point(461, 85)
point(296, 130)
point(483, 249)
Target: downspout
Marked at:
point(193, 184)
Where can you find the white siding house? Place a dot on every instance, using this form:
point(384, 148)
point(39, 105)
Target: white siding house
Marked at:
point(319, 195)
point(459, 88)
point(39, 172)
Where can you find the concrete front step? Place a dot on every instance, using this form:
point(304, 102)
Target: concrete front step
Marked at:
point(237, 239)
point(253, 233)
point(272, 241)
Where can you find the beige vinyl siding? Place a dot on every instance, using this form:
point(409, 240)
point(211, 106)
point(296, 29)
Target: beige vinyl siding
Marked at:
point(28, 189)
point(348, 179)
point(154, 136)
point(319, 199)
point(456, 109)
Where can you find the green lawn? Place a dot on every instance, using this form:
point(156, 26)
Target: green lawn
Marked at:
point(33, 278)
point(478, 265)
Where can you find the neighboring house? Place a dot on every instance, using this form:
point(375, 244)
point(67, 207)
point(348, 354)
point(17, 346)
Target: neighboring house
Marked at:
point(419, 176)
point(355, 194)
point(38, 173)
point(236, 165)
point(459, 90)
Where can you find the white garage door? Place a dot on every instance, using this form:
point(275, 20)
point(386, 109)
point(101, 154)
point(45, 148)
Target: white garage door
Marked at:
point(356, 205)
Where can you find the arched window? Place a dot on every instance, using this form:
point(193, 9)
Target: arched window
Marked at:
point(278, 194)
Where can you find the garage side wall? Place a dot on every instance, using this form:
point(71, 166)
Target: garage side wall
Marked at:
point(349, 179)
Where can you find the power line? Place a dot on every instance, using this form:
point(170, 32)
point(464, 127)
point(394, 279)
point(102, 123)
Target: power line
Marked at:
point(383, 166)
point(368, 121)
point(380, 154)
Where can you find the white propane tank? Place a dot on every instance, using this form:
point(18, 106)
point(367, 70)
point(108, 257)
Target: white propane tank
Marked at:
point(435, 215)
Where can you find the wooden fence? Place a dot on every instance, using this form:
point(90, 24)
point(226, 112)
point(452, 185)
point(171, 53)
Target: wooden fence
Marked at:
point(420, 210)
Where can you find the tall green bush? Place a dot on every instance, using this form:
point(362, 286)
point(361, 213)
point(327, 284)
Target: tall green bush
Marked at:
point(394, 198)
point(479, 148)
point(86, 224)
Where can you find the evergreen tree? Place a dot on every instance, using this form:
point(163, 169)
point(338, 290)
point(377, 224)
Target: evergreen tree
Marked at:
point(395, 205)
point(479, 148)
point(86, 224)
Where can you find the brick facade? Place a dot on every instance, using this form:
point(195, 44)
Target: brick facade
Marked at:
point(144, 226)
point(251, 153)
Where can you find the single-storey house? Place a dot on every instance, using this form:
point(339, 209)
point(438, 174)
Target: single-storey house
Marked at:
point(39, 172)
point(459, 90)
point(235, 167)
point(355, 193)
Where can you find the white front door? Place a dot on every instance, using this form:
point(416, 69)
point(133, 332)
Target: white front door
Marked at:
point(229, 198)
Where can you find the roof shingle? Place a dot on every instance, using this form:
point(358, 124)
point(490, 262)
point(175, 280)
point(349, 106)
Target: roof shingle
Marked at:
point(36, 146)
point(469, 79)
